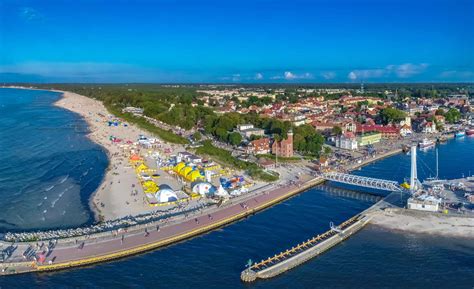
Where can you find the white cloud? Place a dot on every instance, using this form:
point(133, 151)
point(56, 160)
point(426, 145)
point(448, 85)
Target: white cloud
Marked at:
point(328, 75)
point(259, 76)
point(289, 75)
point(352, 75)
point(405, 70)
point(30, 14)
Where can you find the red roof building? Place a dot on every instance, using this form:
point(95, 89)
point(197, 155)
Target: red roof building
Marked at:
point(259, 146)
point(386, 131)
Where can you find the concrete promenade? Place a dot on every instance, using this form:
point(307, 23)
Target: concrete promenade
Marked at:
point(94, 250)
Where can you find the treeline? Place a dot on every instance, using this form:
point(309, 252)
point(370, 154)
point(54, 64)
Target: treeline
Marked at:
point(180, 106)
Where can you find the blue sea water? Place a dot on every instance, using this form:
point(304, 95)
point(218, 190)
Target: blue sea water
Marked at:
point(373, 258)
point(48, 167)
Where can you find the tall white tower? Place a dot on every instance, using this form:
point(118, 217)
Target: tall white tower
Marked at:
point(413, 174)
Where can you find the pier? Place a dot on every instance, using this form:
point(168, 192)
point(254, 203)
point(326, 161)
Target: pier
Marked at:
point(317, 245)
point(305, 251)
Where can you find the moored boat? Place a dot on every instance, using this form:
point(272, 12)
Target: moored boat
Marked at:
point(460, 133)
point(426, 143)
point(470, 131)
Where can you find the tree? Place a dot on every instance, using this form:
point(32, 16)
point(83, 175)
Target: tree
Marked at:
point(327, 151)
point(221, 134)
point(235, 138)
point(453, 115)
point(391, 114)
point(197, 136)
point(337, 130)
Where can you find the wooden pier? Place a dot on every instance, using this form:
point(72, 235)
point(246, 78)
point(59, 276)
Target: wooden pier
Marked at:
point(305, 251)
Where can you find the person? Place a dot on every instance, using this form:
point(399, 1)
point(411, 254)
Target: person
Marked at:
point(121, 240)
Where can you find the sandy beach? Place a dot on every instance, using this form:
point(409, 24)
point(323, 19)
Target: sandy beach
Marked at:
point(113, 198)
point(424, 223)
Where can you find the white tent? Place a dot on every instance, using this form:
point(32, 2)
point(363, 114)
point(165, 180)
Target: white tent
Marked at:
point(204, 188)
point(166, 194)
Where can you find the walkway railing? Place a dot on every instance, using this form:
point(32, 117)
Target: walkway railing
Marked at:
point(366, 182)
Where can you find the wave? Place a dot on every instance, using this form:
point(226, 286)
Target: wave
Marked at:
point(64, 179)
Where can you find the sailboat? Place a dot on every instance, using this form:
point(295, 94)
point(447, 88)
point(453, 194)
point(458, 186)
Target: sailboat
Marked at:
point(433, 181)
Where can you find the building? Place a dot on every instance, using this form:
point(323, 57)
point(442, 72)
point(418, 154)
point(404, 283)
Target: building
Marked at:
point(424, 203)
point(428, 127)
point(385, 131)
point(242, 127)
point(405, 130)
point(299, 120)
point(283, 148)
point(346, 141)
point(259, 146)
point(266, 164)
point(133, 110)
point(369, 138)
point(252, 131)
point(188, 157)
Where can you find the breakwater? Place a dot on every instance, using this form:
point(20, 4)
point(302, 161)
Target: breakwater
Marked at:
point(304, 252)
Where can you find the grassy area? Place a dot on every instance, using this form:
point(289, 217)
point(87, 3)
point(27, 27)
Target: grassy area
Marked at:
point(225, 157)
point(165, 135)
point(280, 159)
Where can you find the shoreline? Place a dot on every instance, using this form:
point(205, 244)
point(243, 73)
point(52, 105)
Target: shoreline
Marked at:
point(111, 199)
point(65, 102)
point(105, 246)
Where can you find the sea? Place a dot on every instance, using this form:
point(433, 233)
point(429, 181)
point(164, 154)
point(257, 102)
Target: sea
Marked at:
point(41, 148)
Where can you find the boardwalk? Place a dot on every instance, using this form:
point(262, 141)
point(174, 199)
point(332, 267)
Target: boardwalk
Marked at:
point(95, 250)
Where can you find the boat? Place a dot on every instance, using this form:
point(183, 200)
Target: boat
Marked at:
point(442, 139)
point(426, 143)
point(460, 134)
point(470, 131)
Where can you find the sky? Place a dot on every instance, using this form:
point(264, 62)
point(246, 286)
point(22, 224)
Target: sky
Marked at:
point(237, 41)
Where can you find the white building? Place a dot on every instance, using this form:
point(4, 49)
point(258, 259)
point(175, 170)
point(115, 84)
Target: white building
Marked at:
point(429, 127)
point(299, 120)
point(346, 141)
point(242, 127)
point(424, 203)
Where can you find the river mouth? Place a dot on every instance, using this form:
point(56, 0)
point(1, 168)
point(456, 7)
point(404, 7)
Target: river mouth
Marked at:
point(49, 168)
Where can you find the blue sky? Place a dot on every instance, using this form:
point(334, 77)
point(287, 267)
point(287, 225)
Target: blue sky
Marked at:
point(237, 41)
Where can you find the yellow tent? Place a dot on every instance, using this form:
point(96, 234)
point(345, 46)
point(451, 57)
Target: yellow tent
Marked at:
point(150, 187)
point(194, 175)
point(142, 168)
point(185, 171)
point(178, 167)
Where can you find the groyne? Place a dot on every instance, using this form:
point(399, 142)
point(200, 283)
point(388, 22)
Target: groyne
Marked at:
point(303, 252)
